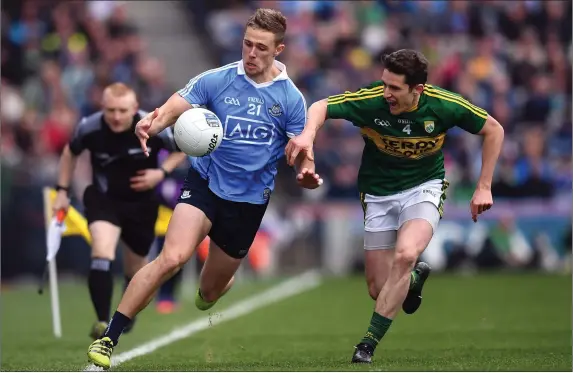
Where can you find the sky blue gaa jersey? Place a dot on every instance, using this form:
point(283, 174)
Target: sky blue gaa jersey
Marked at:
point(258, 120)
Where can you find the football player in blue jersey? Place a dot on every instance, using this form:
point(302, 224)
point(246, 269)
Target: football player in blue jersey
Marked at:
point(226, 193)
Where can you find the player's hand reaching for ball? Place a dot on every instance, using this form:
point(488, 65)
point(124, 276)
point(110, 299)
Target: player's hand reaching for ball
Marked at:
point(482, 200)
point(146, 179)
point(308, 179)
point(142, 128)
point(301, 143)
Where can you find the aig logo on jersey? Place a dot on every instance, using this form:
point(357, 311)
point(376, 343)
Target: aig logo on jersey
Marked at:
point(248, 131)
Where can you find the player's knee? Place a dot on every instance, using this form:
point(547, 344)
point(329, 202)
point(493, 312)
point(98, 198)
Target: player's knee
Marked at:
point(406, 257)
point(171, 261)
point(102, 252)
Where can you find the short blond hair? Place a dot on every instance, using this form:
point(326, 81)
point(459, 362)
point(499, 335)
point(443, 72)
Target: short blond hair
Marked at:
point(269, 20)
point(118, 89)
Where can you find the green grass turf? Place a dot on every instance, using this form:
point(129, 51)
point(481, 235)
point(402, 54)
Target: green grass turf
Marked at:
point(487, 322)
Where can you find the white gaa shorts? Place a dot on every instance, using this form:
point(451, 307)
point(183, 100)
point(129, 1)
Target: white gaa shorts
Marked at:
point(384, 215)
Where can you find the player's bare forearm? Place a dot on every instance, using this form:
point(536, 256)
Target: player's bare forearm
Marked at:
point(316, 117)
point(66, 168)
point(302, 162)
point(493, 135)
point(168, 113)
point(173, 161)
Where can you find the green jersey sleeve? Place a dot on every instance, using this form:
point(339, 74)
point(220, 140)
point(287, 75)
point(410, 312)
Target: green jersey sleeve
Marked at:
point(466, 115)
point(347, 105)
point(456, 110)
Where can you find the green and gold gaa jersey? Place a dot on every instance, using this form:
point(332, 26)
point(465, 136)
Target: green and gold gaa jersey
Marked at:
point(403, 151)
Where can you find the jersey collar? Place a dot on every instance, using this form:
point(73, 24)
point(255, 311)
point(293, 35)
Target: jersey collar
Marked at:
point(282, 76)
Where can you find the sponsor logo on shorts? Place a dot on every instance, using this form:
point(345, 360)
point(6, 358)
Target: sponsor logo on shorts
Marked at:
point(266, 193)
point(186, 194)
point(402, 147)
point(433, 193)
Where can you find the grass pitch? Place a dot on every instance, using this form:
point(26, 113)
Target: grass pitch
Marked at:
point(478, 323)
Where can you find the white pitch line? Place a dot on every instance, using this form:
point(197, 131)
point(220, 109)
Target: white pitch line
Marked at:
point(299, 284)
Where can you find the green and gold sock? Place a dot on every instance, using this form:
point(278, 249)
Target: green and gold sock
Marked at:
point(378, 327)
point(414, 279)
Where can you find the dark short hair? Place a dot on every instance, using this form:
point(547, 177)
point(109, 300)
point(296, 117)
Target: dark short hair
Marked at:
point(410, 63)
point(269, 20)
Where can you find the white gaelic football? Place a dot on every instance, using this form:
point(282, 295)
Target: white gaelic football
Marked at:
point(198, 132)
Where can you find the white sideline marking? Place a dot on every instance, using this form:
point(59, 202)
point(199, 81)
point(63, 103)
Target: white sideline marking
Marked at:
point(296, 285)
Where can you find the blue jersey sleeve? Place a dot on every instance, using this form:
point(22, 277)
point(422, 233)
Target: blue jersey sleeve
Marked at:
point(196, 92)
point(297, 114)
point(205, 87)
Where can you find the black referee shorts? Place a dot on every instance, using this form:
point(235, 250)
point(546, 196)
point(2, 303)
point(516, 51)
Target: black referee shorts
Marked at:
point(135, 219)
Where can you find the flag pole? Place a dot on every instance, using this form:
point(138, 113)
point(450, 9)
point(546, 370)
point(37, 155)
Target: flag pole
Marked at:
point(52, 272)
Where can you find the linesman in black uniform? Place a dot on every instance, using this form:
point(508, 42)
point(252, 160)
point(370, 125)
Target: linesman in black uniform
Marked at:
point(121, 202)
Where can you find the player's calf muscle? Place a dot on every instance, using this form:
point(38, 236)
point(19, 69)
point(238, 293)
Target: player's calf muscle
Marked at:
point(378, 264)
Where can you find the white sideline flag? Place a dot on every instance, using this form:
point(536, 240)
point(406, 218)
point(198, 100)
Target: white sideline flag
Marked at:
point(55, 227)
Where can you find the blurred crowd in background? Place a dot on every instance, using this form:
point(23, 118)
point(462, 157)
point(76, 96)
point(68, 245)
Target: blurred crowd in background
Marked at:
point(57, 56)
point(512, 58)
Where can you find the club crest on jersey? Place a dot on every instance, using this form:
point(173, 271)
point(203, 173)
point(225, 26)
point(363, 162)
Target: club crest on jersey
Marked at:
point(276, 110)
point(429, 126)
point(211, 120)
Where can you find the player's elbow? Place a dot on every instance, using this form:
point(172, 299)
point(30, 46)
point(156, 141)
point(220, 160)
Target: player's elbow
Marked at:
point(492, 128)
point(318, 109)
point(319, 105)
point(173, 108)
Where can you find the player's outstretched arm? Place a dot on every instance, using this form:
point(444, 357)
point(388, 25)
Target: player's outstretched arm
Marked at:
point(306, 174)
point(303, 143)
point(317, 115)
point(493, 135)
point(168, 113)
point(160, 119)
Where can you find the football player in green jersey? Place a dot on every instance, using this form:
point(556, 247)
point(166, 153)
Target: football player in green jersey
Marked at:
point(401, 179)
